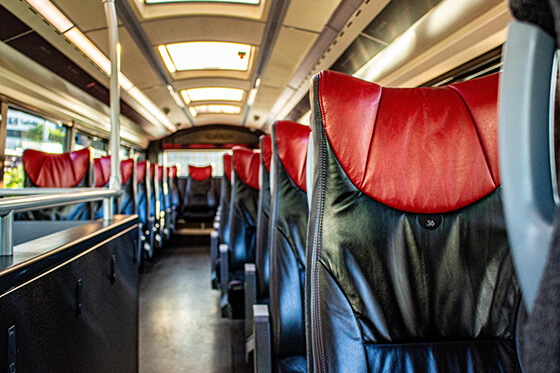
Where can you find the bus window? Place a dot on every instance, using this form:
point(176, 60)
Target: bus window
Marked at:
point(100, 146)
point(28, 131)
point(196, 158)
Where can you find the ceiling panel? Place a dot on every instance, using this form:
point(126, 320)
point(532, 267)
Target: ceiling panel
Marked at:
point(290, 49)
point(88, 15)
point(133, 63)
point(310, 14)
point(160, 95)
point(261, 107)
point(203, 28)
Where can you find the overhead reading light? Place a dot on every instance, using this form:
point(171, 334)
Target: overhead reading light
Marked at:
point(250, 2)
point(212, 94)
point(205, 55)
point(217, 109)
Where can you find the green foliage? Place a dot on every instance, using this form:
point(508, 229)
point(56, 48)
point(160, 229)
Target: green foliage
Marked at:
point(13, 177)
point(55, 135)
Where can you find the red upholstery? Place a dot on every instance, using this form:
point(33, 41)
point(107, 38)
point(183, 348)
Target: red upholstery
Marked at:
point(386, 153)
point(267, 151)
point(141, 171)
point(172, 172)
point(127, 166)
point(227, 165)
point(102, 171)
point(291, 140)
point(159, 173)
point(64, 170)
point(246, 164)
point(200, 173)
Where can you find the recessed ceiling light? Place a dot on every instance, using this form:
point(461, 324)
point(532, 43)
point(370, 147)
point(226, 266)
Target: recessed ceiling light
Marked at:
point(251, 2)
point(213, 93)
point(193, 111)
point(206, 55)
point(217, 109)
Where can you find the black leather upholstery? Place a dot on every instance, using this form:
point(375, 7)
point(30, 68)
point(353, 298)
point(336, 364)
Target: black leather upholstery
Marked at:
point(243, 223)
point(396, 291)
point(288, 229)
point(262, 248)
point(225, 201)
point(200, 197)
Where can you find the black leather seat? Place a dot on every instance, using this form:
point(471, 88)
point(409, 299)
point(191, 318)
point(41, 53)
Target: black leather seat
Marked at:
point(66, 170)
point(409, 268)
point(223, 229)
point(243, 223)
point(288, 230)
point(102, 173)
point(143, 198)
point(173, 196)
point(200, 195)
point(262, 248)
point(156, 209)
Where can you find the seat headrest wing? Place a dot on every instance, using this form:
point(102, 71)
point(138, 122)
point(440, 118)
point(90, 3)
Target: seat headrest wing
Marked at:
point(227, 165)
point(127, 166)
point(266, 150)
point(420, 150)
point(141, 171)
point(246, 164)
point(291, 140)
point(102, 171)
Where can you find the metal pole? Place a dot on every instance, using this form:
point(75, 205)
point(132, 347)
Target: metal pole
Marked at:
point(114, 142)
point(6, 238)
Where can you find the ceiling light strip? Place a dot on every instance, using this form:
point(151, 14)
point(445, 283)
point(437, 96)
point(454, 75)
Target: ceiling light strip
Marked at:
point(72, 33)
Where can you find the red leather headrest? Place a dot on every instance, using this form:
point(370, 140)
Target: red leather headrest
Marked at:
point(246, 164)
point(64, 170)
point(291, 141)
point(420, 150)
point(159, 173)
point(141, 171)
point(172, 171)
point(102, 171)
point(227, 165)
point(200, 173)
point(127, 166)
point(266, 150)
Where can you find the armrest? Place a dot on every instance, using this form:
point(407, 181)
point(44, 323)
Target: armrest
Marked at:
point(213, 258)
point(224, 276)
point(224, 267)
point(261, 332)
point(250, 297)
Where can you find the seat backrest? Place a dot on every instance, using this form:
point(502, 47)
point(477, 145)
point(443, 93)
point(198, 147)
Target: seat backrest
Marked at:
point(199, 195)
point(66, 170)
point(288, 229)
point(243, 207)
point(262, 248)
point(155, 191)
point(225, 200)
point(143, 191)
point(102, 168)
point(409, 267)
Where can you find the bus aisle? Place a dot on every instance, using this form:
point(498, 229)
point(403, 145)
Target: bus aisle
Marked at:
point(181, 329)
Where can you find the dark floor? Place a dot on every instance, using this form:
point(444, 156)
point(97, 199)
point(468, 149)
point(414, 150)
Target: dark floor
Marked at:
point(180, 325)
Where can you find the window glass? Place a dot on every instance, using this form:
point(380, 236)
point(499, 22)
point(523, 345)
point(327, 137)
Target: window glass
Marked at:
point(100, 146)
point(28, 131)
point(196, 158)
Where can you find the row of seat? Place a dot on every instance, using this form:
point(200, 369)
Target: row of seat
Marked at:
point(145, 191)
point(392, 254)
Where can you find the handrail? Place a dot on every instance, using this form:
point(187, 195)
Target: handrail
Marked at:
point(48, 200)
point(16, 192)
point(45, 198)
